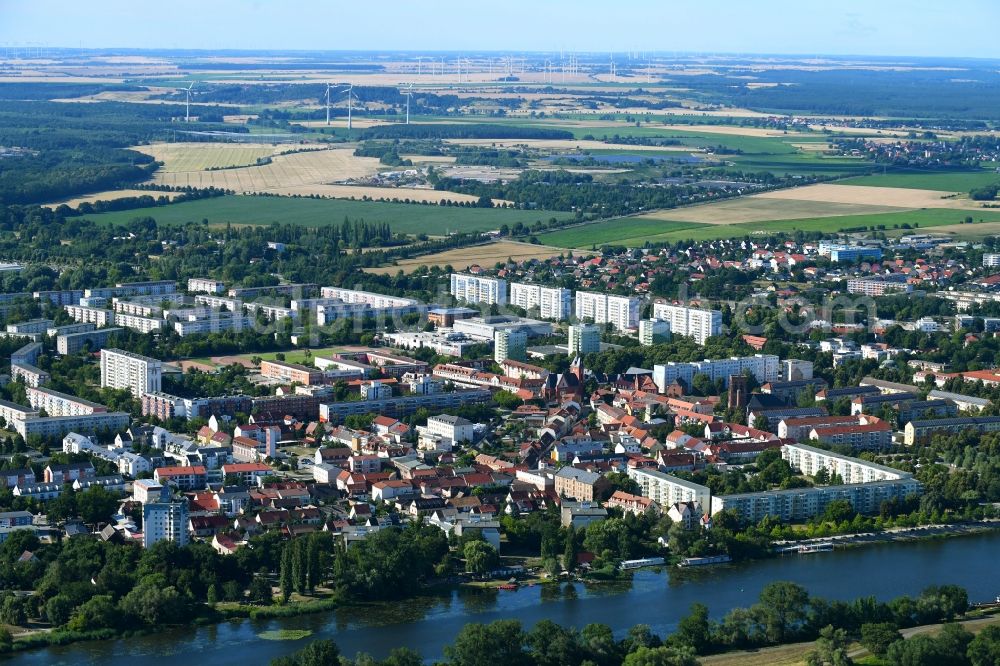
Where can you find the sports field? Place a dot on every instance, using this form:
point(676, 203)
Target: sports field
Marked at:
point(298, 356)
point(402, 218)
point(619, 232)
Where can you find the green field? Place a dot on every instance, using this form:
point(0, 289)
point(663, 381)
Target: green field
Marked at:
point(946, 181)
point(402, 218)
point(775, 153)
point(630, 231)
point(619, 231)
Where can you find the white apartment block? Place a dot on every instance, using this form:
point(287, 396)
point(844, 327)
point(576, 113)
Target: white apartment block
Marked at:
point(164, 521)
point(61, 404)
point(799, 504)
point(474, 289)
point(138, 323)
point(58, 426)
point(584, 339)
point(12, 411)
point(510, 343)
point(622, 312)
point(552, 302)
point(809, 460)
point(85, 315)
point(30, 327)
point(213, 324)
point(697, 323)
point(206, 286)
point(652, 331)
point(452, 428)
point(369, 298)
point(122, 369)
point(666, 490)
point(29, 374)
point(991, 260)
point(764, 367)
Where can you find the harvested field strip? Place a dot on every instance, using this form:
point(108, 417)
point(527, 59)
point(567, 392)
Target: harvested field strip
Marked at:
point(483, 255)
point(758, 208)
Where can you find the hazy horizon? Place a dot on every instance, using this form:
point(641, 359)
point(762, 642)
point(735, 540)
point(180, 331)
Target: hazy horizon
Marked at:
point(962, 29)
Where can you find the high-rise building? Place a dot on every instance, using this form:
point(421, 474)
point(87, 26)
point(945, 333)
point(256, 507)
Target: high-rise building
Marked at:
point(510, 343)
point(652, 331)
point(622, 312)
point(584, 339)
point(696, 323)
point(474, 289)
point(125, 370)
point(552, 302)
point(991, 259)
point(164, 521)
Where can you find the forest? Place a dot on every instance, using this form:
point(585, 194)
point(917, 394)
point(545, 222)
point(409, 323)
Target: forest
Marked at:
point(82, 149)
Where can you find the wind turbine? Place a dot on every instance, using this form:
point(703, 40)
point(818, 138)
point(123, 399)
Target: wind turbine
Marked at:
point(350, 106)
point(409, 93)
point(187, 103)
point(328, 87)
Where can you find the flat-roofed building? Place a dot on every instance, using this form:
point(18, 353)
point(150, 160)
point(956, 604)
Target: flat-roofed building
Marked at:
point(551, 302)
point(124, 370)
point(697, 323)
point(475, 289)
point(72, 343)
point(61, 404)
point(666, 489)
point(291, 372)
point(622, 312)
point(809, 460)
point(584, 339)
point(97, 316)
point(206, 285)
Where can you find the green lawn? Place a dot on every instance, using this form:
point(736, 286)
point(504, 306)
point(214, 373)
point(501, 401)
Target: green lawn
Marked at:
point(402, 218)
point(619, 232)
point(945, 181)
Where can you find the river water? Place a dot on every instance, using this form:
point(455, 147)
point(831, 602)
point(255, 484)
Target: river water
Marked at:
point(658, 598)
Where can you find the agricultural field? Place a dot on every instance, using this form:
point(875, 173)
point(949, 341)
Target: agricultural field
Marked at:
point(388, 194)
point(617, 232)
point(946, 181)
point(461, 258)
point(629, 231)
point(111, 195)
point(186, 157)
point(866, 195)
point(760, 208)
point(402, 218)
point(299, 170)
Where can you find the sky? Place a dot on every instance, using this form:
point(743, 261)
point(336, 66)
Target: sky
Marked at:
point(956, 28)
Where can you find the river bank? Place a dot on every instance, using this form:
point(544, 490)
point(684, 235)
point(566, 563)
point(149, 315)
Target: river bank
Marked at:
point(468, 590)
point(899, 535)
point(657, 598)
